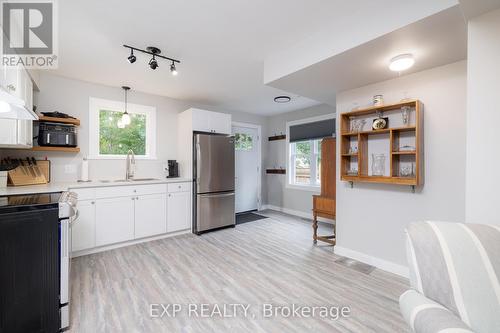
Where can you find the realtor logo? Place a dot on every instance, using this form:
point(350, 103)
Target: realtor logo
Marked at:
point(29, 33)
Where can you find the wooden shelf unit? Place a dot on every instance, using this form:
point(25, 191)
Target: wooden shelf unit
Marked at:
point(61, 149)
point(71, 121)
point(362, 138)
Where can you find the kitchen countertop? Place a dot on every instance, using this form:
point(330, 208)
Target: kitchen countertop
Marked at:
point(64, 186)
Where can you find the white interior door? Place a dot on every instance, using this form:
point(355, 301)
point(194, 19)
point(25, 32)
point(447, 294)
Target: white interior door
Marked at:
point(247, 168)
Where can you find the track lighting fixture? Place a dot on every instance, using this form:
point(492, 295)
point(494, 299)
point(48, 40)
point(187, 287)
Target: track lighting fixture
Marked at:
point(131, 58)
point(153, 63)
point(173, 70)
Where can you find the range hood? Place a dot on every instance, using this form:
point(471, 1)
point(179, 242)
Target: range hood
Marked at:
point(12, 107)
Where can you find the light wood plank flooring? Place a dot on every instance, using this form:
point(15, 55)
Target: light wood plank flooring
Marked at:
point(266, 261)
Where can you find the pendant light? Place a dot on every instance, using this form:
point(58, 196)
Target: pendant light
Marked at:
point(125, 121)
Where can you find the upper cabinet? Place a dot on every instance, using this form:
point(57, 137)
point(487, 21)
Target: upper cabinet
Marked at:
point(197, 120)
point(210, 122)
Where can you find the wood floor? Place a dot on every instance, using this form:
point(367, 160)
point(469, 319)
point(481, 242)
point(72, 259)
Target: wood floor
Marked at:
point(267, 261)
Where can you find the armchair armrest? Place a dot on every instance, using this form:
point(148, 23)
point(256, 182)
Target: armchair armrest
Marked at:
point(426, 316)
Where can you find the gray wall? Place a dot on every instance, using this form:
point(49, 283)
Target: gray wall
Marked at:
point(371, 218)
point(292, 200)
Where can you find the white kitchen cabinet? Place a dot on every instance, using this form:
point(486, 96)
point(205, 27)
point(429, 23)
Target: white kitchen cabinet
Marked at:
point(114, 220)
point(83, 230)
point(178, 211)
point(150, 215)
point(16, 133)
point(212, 122)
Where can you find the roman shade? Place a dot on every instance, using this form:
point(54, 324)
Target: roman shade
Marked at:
point(311, 131)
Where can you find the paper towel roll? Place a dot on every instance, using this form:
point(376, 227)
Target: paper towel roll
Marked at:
point(84, 175)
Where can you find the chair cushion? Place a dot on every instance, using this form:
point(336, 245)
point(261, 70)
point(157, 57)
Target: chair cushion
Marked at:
point(458, 266)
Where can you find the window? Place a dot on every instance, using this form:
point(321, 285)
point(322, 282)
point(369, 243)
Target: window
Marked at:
point(304, 148)
point(243, 141)
point(305, 157)
point(109, 141)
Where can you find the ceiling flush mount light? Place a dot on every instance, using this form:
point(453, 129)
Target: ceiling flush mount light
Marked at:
point(402, 62)
point(125, 120)
point(282, 99)
point(153, 63)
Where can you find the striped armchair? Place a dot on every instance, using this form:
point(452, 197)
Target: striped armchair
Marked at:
point(454, 276)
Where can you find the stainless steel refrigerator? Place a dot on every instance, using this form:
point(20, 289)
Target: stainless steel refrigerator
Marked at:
point(213, 182)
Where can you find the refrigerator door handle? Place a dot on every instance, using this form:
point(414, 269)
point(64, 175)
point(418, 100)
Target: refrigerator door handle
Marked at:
point(222, 195)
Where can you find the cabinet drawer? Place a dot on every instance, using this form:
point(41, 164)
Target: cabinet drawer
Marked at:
point(129, 190)
point(179, 187)
point(84, 193)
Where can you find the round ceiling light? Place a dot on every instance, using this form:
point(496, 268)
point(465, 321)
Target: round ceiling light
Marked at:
point(282, 99)
point(402, 62)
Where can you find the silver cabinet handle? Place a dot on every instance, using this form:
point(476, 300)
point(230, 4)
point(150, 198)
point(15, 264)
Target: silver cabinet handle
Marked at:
point(92, 202)
point(223, 195)
point(133, 198)
point(11, 87)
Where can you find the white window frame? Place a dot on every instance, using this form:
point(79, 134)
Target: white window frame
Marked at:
point(97, 104)
point(314, 155)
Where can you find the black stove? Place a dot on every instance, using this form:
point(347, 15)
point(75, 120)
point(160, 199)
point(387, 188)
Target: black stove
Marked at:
point(28, 202)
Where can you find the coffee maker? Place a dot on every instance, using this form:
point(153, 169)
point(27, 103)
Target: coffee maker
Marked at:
point(173, 169)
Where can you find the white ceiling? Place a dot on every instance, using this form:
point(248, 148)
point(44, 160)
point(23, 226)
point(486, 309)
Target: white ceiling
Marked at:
point(434, 41)
point(222, 44)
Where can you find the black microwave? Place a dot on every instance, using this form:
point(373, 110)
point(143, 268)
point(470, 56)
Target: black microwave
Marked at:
point(55, 134)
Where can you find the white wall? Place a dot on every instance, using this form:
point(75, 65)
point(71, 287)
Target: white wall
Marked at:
point(483, 119)
point(278, 194)
point(371, 218)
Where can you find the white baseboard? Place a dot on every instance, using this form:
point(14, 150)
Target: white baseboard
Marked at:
point(373, 261)
point(127, 243)
point(298, 213)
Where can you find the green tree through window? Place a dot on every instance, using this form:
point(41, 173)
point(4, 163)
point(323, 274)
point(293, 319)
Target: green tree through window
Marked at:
point(117, 141)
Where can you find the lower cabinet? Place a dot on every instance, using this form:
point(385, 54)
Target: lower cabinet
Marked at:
point(111, 220)
point(83, 230)
point(179, 211)
point(114, 220)
point(150, 215)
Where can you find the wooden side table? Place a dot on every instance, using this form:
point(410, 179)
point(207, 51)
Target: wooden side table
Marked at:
point(323, 207)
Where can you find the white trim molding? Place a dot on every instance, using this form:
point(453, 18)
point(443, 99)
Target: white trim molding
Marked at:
point(259, 154)
point(382, 264)
point(96, 104)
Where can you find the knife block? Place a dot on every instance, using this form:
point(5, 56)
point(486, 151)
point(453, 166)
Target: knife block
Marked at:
point(26, 175)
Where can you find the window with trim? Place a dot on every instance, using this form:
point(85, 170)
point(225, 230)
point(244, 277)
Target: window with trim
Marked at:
point(109, 139)
point(304, 147)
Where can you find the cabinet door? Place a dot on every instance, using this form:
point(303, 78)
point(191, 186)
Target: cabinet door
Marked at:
point(8, 132)
point(201, 120)
point(83, 230)
point(150, 215)
point(114, 220)
point(179, 211)
point(220, 123)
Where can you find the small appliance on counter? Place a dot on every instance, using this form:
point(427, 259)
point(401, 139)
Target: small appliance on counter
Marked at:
point(57, 134)
point(35, 246)
point(173, 169)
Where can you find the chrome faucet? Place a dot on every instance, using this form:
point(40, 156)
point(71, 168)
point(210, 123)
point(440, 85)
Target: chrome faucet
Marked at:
point(130, 165)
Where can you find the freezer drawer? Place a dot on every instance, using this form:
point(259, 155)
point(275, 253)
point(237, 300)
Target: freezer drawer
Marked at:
point(214, 162)
point(214, 210)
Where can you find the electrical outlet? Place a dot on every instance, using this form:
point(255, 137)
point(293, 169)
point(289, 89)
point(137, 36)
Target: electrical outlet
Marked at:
point(69, 168)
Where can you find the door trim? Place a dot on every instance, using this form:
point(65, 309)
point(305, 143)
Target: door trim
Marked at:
point(259, 156)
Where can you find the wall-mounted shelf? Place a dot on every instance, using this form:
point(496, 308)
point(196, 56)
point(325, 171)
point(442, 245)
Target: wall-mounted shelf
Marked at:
point(277, 137)
point(385, 141)
point(276, 171)
point(60, 149)
point(72, 121)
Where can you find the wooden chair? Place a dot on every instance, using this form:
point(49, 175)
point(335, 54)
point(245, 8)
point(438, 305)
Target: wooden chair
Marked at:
point(324, 204)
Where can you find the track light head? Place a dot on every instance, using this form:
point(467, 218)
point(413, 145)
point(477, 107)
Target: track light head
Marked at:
point(173, 70)
point(131, 58)
point(153, 64)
